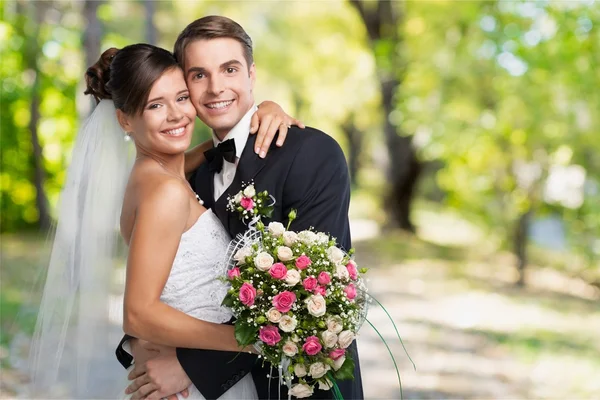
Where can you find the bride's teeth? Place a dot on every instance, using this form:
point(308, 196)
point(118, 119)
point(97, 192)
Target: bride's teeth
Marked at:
point(221, 104)
point(177, 131)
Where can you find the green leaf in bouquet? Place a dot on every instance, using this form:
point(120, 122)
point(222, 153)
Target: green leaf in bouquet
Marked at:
point(245, 334)
point(228, 301)
point(346, 371)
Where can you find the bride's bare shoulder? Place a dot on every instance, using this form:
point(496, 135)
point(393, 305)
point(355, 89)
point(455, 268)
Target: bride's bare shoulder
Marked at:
point(152, 191)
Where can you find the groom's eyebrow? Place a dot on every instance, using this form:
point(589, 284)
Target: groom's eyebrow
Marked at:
point(226, 64)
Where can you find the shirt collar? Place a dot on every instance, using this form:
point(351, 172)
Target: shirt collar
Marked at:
point(239, 133)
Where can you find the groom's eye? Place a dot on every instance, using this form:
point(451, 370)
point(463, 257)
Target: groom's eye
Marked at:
point(199, 75)
point(231, 70)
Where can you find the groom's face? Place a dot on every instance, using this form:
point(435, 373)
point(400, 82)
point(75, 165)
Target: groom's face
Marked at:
point(220, 82)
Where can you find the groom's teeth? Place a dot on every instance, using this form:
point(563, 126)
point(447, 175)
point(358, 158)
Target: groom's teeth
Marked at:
point(177, 131)
point(221, 104)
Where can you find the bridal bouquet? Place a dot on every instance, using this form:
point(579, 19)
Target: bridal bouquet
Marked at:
point(301, 299)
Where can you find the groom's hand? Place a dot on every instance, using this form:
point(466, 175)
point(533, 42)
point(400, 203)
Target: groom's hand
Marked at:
point(158, 378)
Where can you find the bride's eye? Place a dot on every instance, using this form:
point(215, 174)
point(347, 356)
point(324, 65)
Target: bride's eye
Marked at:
point(183, 98)
point(153, 106)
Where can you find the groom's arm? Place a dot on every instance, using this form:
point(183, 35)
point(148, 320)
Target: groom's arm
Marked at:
point(318, 187)
point(124, 355)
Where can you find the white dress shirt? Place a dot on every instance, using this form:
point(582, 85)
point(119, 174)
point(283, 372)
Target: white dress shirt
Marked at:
point(239, 134)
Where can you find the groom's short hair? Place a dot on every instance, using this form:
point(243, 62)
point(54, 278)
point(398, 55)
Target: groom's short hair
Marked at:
point(213, 27)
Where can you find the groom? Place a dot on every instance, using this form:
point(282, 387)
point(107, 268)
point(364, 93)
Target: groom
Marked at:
point(308, 174)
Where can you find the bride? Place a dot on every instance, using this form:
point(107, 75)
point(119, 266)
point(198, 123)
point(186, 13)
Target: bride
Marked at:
point(173, 289)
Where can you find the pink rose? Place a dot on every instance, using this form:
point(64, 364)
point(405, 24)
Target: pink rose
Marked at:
point(337, 353)
point(302, 262)
point(278, 271)
point(320, 290)
point(324, 278)
point(233, 273)
point(312, 345)
point(350, 291)
point(247, 203)
point(310, 283)
point(269, 335)
point(247, 294)
point(284, 301)
point(351, 266)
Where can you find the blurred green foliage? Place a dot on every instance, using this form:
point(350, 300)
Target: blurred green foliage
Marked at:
point(498, 95)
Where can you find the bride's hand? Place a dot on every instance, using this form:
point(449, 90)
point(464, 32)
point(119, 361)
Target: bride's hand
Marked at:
point(268, 120)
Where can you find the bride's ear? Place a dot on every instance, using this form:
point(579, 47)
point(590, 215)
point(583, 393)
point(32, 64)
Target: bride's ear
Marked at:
point(124, 121)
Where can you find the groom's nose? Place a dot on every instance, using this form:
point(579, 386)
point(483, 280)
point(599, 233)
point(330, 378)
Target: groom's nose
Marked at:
point(215, 85)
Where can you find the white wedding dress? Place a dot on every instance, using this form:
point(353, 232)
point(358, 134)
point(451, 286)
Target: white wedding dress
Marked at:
point(195, 286)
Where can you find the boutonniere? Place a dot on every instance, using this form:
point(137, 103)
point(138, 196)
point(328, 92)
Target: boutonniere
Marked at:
point(251, 204)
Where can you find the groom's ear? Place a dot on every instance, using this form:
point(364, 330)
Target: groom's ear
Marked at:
point(252, 75)
point(124, 121)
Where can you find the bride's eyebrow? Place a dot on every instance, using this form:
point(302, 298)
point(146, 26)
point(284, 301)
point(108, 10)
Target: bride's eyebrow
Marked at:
point(162, 98)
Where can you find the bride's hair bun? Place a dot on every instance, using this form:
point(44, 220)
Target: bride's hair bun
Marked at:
point(98, 75)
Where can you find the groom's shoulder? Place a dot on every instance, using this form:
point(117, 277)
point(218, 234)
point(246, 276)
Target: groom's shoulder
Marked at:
point(312, 139)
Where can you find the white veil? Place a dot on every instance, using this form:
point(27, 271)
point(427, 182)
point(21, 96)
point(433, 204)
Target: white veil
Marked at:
point(72, 353)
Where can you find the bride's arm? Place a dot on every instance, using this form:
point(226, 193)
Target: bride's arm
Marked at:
point(160, 221)
point(267, 121)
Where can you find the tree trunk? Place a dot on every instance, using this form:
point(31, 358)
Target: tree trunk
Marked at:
point(355, 141)
point(520, 244)
point(93, 32)
point(382, 20)
point(37, 157)
point(151, 34)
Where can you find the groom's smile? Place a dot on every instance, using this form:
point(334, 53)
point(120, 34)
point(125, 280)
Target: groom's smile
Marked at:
point(220, 82)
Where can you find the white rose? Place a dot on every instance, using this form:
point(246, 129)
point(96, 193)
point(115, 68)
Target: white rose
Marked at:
point(307, 237)
point(337, 364)
point(318, 369)
point(329, 338)
point(295, 338)
point(274, 315)
point(276, 229)
point(289, 238)
point(300, 370)
point(238, 198)
point(292, 277)
point(316, 305)
point(325, 385)
point(241, 254)
point(335, 255)
point(301, 390)
point(290, 349)
point(249, 191)
point(287, 323)
point(341, 272)
point(335, 324)
point(263, 261)
point(284, 253)
point(345, 339)
point(322, 238)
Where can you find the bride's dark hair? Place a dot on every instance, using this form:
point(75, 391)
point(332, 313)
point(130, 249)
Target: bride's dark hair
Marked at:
point(126, 76)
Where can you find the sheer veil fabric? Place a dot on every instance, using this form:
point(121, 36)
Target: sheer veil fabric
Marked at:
point(77, 327)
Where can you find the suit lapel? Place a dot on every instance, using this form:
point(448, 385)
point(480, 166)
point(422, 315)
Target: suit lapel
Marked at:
point(249, 166)
point(203, 185)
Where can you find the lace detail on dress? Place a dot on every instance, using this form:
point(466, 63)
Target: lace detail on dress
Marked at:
point(195, 285)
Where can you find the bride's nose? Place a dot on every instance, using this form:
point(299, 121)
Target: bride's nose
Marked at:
point(174, 114)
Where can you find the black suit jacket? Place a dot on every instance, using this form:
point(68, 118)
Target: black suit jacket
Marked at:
point(309, 174)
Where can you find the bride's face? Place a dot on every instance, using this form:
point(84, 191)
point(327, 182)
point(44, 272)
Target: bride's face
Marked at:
point(167, 122)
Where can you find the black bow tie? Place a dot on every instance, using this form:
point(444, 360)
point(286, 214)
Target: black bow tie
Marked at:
point(216, 155)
